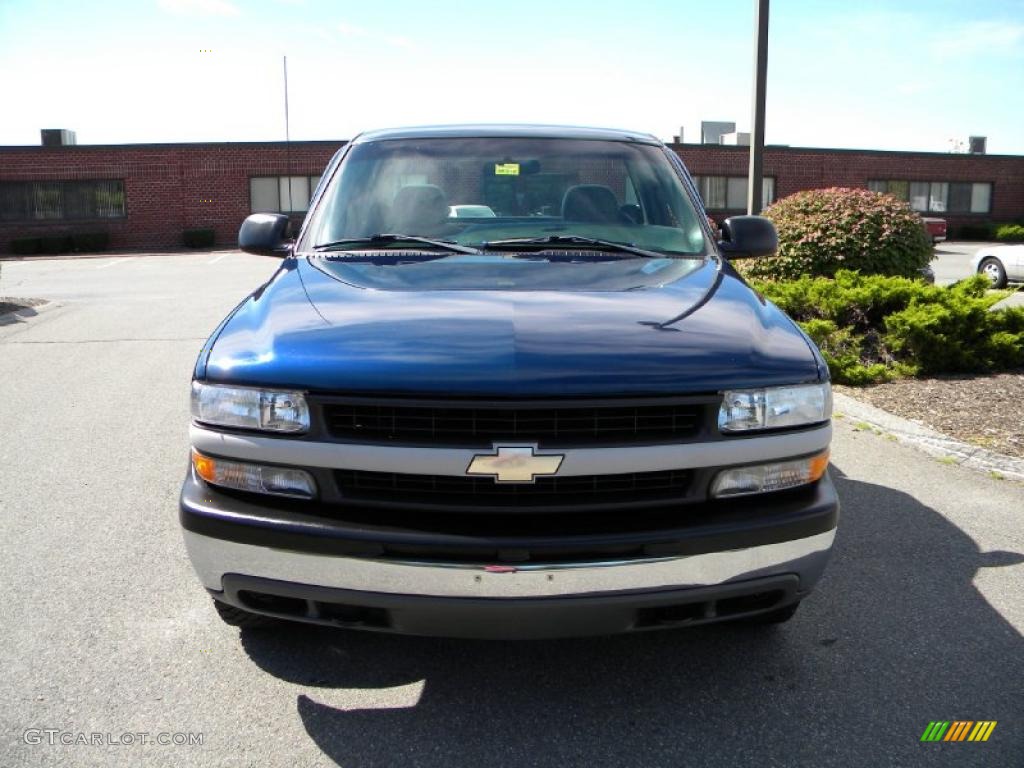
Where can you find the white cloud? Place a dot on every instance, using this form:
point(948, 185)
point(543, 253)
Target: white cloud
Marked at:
point(914, 88)
point(981, 37)
point(351, 30)
point(398, 41)
point(199, 7)
point(355, 32)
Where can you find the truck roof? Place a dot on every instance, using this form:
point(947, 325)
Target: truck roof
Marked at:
point(506, 131)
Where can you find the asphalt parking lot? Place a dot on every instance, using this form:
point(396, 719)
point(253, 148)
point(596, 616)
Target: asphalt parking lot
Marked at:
point(105, 629)
point(952, 262)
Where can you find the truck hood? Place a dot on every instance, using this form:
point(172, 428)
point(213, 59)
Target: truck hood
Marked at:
point(705, 332)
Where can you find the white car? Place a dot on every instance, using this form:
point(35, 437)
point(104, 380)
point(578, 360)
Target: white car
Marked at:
point(1000, 264)
point(470, 212)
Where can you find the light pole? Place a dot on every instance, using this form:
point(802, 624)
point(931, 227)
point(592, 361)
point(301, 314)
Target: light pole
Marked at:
point(755, 181)
point(287, 137)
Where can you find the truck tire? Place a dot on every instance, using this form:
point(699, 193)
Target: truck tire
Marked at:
point(236, 617)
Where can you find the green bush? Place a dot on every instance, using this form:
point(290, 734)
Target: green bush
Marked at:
point(872, 328)
point(52, 244)
point(822, 231)
point(90, 242)
point(1010, 233)
point(199, 238)
point(25, 246)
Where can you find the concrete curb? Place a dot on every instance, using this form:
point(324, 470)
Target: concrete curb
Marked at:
point(928, 440)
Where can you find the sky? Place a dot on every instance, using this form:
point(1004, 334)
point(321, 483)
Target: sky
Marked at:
point(910, 75)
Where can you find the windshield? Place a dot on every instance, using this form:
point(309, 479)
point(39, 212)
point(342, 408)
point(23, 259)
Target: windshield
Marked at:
point(481, 191)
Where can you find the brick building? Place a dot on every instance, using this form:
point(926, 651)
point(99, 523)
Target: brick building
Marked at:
point(961, 188)
point(146, 195)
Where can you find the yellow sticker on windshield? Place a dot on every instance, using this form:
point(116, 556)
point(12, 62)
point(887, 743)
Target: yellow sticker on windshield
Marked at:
point(506, 169)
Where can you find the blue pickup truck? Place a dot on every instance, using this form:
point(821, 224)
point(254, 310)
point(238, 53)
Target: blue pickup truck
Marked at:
point(506, 383)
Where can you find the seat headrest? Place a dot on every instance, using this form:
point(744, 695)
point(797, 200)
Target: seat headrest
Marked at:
point(590, 202)
point(418, 207)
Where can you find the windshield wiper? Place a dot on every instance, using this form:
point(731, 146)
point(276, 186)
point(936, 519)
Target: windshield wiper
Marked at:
point(390, 239)
point(532, 243)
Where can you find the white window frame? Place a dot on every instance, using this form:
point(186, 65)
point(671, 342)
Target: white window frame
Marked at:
point(713, 188)
point(312, 181)
point(933, 196)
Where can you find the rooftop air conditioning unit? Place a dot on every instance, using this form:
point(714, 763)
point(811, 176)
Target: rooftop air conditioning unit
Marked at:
point(58, 137)
point(711, 131)
point(735, 139)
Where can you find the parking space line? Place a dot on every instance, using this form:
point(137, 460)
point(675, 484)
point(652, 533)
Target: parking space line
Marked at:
point(115, 262)
point(215, 260)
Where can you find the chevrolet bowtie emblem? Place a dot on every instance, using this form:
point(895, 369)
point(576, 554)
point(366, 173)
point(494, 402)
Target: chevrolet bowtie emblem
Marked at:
point(514, 464)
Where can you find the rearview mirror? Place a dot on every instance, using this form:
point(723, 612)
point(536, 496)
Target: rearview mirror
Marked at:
point(748, 236)
point(265, 234)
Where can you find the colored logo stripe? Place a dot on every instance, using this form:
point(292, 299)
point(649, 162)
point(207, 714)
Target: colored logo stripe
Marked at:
point(958, 730)
point(982, 730)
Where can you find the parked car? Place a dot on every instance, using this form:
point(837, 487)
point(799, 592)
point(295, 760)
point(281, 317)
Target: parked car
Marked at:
point(1000, 264)
point(527, 425)
point(470, 212)
point(936, 228)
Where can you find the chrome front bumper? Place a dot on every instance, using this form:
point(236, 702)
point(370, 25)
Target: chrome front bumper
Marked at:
point(215, 558)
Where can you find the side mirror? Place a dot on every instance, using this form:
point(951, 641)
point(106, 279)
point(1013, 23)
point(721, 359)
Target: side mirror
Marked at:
point(748, 236)
point(265, 234)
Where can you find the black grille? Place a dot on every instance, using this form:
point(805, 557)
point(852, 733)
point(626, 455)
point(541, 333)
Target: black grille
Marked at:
point(484, 424)
point(479, 493)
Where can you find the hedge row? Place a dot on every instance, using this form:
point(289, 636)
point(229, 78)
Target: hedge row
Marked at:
point(199, 238)
point(82, 242)
point(872, 328)
point(1007, 233)
point(1010, 233)
point(91, 242)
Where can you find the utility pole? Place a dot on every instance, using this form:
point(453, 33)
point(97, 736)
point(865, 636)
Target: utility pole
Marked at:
point(287, 138)
point(755, 181)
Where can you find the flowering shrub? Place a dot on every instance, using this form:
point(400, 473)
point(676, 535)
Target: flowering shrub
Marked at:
point(824, 230)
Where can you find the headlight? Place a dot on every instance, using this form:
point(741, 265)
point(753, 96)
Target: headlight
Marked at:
point(777, 476)
point(249, 408)
point(277, 481)
point(748, 409)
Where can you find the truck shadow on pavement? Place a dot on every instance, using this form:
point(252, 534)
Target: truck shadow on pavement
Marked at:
point(15, 312)
point(896, 635)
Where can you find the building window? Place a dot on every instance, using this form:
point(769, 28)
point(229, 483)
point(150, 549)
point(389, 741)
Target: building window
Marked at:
point(939, 196)
point(61, 200)
point(281, 194)
point(729, 193)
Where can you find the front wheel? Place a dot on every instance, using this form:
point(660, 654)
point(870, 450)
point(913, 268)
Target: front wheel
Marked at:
point(992, 268)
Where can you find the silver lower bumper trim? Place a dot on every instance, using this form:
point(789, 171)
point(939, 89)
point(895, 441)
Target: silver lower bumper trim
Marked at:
point(213, 558)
